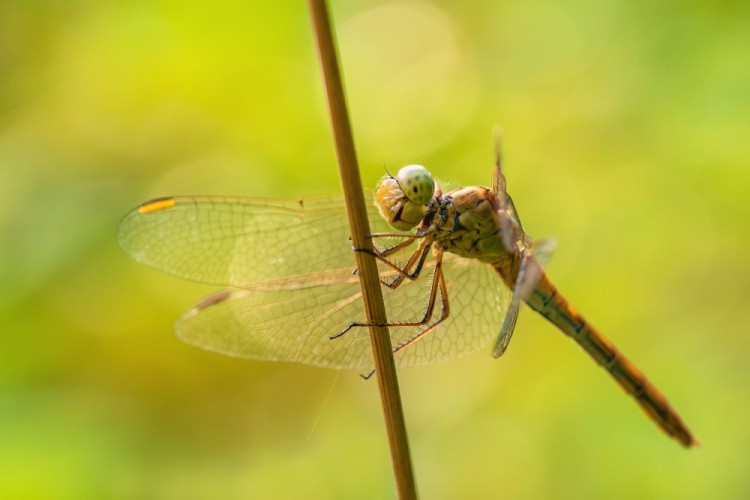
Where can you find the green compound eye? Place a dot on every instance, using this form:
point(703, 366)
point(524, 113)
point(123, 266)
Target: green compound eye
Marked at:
point(416, 183)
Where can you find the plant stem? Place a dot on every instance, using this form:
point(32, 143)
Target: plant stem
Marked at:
point(368, 271)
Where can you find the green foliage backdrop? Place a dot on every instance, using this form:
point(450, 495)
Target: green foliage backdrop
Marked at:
point(626, 137)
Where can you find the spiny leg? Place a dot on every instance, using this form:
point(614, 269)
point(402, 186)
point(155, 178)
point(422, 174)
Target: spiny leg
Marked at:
point(376, 252)
point(440, 277)
point(436, 282)
point(408, 240)
point(417, 258)
point(416, 261)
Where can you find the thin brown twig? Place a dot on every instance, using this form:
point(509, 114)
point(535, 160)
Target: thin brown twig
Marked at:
point(368, 271)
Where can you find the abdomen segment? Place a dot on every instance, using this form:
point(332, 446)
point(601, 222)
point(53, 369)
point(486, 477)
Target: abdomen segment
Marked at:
point(546, 300)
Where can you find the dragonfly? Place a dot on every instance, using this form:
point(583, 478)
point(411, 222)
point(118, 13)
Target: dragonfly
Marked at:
point(456, 265)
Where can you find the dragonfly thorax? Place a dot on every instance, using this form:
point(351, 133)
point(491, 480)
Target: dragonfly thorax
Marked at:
point(469, 224)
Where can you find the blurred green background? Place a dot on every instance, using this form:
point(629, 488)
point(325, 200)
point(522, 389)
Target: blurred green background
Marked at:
point(626, 136)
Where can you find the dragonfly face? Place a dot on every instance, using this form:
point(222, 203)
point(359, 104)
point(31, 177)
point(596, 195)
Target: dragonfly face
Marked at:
point(401, 200)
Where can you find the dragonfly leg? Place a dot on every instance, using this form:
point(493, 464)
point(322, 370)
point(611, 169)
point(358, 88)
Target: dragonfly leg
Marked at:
point(416, 261)
point(438, 277)
point(438, 283)
point(408, 240)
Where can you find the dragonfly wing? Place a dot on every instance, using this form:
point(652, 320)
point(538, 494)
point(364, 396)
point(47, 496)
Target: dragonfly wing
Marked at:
point(542, 251)
point(509, 325)
point(290, 265)
point(498, 179)
point(293, 318)
point(235, 240)
point(286, 320)
point(505, 202)
point(477, 298)
point(529, 272)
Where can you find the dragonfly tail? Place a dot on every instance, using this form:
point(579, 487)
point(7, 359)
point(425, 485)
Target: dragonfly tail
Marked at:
point(552, 305)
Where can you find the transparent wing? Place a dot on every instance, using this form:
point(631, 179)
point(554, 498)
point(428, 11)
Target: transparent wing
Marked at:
point(478, 300)
point(234, 241)
point(290, 263)
point(285, 321)
point(531, 270)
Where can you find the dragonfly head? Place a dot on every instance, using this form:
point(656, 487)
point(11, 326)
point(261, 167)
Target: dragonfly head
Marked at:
point(401, 200)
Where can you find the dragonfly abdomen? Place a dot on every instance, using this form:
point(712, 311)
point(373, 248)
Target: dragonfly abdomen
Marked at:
point(552, 305)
